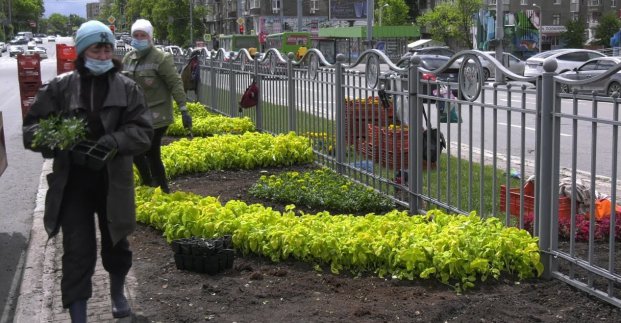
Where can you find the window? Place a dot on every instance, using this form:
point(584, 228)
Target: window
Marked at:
point(557, 1)
point(314, 6)
point(613, 3)
point(556, 19)
point(275, 5)
point(590, 66)
point(524, 2)
point(594, 2)
point(255, 4)
point(492, 2)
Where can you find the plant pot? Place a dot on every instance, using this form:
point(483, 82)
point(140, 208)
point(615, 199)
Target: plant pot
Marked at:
point(99, 156)
point(186, 248)
point(176, 247)
point(230, 257)
point(227, 241)
point(79, 152)
point(221, 260)
point(91, 154)
point(188, 262)
point(199, 264)
point(211, 265)
point(179, 262)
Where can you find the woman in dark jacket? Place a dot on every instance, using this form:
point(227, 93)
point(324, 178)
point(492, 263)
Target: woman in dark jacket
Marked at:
point(116, 115)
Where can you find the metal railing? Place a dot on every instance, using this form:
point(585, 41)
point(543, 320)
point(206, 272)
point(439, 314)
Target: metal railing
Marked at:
point(499, 136)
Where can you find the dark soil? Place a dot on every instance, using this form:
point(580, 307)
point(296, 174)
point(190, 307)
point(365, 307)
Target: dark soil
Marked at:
point(257, 290)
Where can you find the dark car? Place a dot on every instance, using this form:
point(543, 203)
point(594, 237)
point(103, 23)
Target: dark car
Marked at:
point(432, 62)
point(434, 50)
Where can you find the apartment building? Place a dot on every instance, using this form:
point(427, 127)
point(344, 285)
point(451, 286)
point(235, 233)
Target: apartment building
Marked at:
point(92, 10)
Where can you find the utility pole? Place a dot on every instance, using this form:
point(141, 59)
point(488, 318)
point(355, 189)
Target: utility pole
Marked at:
point(191, 23)
point(370, 7)
point(499, 38)
point(282, 16)
point(300, 15)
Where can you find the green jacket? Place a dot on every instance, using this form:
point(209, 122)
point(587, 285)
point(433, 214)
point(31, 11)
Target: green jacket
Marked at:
point(156, 73)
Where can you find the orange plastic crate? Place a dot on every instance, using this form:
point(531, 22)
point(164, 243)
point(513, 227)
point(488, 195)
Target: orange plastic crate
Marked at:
point(564, 203)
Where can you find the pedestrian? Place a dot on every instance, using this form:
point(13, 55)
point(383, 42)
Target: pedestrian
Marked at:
point(117, 117)
point(156, 73)
point(190, 74)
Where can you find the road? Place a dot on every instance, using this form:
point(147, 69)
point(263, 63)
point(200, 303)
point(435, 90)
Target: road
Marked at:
point(18, 184)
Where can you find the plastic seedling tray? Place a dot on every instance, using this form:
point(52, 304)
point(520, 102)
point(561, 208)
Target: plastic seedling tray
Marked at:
point(79, 152)
point(99, 155)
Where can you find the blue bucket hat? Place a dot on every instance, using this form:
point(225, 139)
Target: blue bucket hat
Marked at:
point(92, 32)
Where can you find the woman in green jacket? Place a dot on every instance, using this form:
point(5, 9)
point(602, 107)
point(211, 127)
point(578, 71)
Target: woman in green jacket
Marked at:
point(156, 73)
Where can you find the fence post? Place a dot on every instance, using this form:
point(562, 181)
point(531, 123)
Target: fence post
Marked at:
point(212, 87)
point(257, 77)
point(232, 90)
point(340, 114)
point(415, 165)
point(545, 195)
point(291, 94)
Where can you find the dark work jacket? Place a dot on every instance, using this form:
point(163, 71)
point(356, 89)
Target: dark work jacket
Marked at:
point(124, 115)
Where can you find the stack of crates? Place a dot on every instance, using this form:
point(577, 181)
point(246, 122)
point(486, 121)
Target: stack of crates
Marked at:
point(29, 77)
point(65, 56)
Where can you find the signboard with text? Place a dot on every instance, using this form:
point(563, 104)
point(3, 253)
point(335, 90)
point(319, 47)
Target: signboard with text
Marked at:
point(348, 9)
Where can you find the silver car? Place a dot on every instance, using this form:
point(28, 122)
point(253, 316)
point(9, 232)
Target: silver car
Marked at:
point(509, 61)
point(592, 68)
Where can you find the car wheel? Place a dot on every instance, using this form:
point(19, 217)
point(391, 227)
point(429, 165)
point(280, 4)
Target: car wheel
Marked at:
point(613, 87)
point(486, 74)
point(565, 88)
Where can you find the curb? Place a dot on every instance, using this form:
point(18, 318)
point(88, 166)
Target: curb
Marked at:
point(35, 292)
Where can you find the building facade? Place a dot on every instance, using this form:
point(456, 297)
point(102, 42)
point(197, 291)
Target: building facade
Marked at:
point(92, 10)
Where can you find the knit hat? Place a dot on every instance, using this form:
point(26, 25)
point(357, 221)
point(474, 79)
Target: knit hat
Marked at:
point(92, 32)
point(143, 25)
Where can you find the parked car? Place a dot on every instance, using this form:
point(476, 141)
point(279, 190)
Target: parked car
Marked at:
point(567, 60)
point(593, 68)
point(2, 46)
point(509, 61)
point(51, 38)
point(120, 43)
point(173, 49)
point(38, 50)
point(15, 49)
point(432, 50)
point(38, 40)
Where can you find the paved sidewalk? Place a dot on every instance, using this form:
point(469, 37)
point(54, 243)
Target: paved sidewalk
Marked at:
point(39, 297)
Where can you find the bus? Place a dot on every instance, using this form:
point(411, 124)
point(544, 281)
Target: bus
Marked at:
point(289, 42)
point(234, 43)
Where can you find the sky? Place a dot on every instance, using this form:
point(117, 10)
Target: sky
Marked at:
point(66, 7)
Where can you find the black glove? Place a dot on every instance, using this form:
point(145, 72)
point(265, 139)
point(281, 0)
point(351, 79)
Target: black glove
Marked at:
point(186, 119)
point(108, 141)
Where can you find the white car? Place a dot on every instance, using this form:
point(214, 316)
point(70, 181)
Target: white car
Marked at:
point(175, 50)
point(567, 60)
point(51, 38)
point(2, 46)
point(38, 50)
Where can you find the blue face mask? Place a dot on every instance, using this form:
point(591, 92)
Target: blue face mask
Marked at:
point(98, 67)
point(140, 44)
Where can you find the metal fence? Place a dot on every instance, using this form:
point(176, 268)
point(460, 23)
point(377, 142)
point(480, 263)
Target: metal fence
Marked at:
point(528, 150)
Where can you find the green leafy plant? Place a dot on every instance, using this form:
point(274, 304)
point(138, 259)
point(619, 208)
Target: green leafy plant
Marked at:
point(56, 132)
point(457, 250)
point(322, 188)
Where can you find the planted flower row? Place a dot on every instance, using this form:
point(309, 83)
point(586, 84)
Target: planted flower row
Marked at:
point(322, 188)
point(206, 124)
point(246, 151)
point(455, 249)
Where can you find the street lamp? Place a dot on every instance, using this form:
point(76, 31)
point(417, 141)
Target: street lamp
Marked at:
point(382, 12)
point(540, 26)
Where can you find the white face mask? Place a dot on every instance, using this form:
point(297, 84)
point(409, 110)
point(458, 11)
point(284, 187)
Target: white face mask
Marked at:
point(98, 67)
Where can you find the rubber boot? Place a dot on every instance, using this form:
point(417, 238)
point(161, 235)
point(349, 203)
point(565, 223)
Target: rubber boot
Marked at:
point(120, 305)
point(77, 310)
point(162, 183)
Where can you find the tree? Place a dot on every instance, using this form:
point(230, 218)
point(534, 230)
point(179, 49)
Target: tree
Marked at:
point(57, 23)
point(413, 11)
point(451, 22)
point(574, 36)
point(395, 14)
point(26, 13)
point(608, 25)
